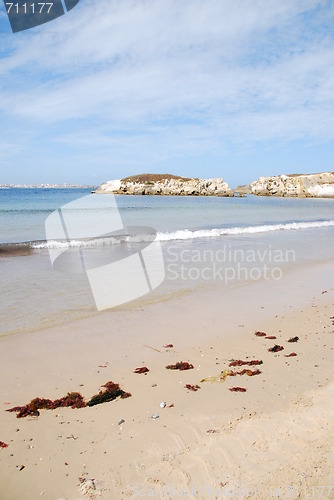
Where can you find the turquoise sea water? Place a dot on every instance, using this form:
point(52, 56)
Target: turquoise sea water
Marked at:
point(205, 242)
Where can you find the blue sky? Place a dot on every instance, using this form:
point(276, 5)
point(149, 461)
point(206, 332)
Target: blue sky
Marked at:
point(205, 88)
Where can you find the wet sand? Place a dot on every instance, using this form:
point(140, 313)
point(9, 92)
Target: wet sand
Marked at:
point(210, 443)
point(15, 250)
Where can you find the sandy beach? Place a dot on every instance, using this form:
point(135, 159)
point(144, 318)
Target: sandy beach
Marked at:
point(274, 439)
point(166, 250)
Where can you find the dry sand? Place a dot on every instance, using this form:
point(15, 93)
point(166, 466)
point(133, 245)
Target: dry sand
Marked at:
point(275, 439)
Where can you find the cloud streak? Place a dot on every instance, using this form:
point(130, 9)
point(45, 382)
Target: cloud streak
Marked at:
point(190, 76)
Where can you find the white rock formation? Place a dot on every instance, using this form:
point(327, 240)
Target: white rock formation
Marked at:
point(304, 185)
point(168, 187)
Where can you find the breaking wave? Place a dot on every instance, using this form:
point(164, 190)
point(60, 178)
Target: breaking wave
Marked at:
point(184, 234)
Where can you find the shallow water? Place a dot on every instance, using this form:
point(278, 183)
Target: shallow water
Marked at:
point(205, 242)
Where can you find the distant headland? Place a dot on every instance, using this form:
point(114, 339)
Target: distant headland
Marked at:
point(320, 185)
point(46, 186)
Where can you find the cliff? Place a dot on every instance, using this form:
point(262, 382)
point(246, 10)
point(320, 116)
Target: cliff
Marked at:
point(166, 184)
point(299, 185)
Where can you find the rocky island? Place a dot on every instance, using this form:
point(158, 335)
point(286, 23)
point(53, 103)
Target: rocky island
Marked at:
point(166, 184)
point(319, 185)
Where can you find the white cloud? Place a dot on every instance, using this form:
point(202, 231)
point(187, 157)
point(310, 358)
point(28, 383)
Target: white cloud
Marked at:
point(188, 74)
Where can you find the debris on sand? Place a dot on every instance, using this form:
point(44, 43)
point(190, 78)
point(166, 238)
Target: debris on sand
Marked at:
point(112, 391)
point(213, 431)
point(142, 369)
point(230, 373)
point(248, 372)
point(3, 445)
point(168, 346)
point(292, 354)
point(237, 389)
point(276, 348)
point(73, 400)
point(240, 362)
point(182, 365)
point(293, 339)
point(193, 388)
point(90, 487)
point(271, 337)
point(221, 377)
point(260, 334)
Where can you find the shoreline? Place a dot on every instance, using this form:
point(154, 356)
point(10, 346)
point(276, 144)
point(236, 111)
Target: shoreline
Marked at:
point(169, 294)
point(175, 449)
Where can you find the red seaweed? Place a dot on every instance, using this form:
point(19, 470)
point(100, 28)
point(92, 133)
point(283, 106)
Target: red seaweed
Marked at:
point(3, 445)
point(192, 387)
point(182, 365)
point(239, 362)
point(168, 346)
point(72, 400)
point(260, 334)
point(237, 389)
point(143, 369)
point(276, 348)
point(290, 355)
point(32, 408)
point(248, 372)
point(271, 337)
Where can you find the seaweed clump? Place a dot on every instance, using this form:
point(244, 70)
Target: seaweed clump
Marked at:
point(260, 334)
point(182, 365)
point(73, 400)
point(111, 392)
point(3, 445)
point(248, 372)
point(193, 388)
point(237, 389)
point(276, 348)
point(240, 362)
point(230, 373)
point(293, 339)
point(142, 369)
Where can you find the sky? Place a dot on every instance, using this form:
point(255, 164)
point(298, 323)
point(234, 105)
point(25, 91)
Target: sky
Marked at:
point(202, 88)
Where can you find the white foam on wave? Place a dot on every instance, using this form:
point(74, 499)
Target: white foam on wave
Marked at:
point(214, 233)
point(184, 234)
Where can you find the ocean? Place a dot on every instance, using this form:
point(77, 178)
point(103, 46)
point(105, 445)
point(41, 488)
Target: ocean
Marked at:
point(186, 243)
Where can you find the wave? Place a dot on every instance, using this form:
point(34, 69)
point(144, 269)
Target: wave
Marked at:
point(182, 234)
point(216, 232)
